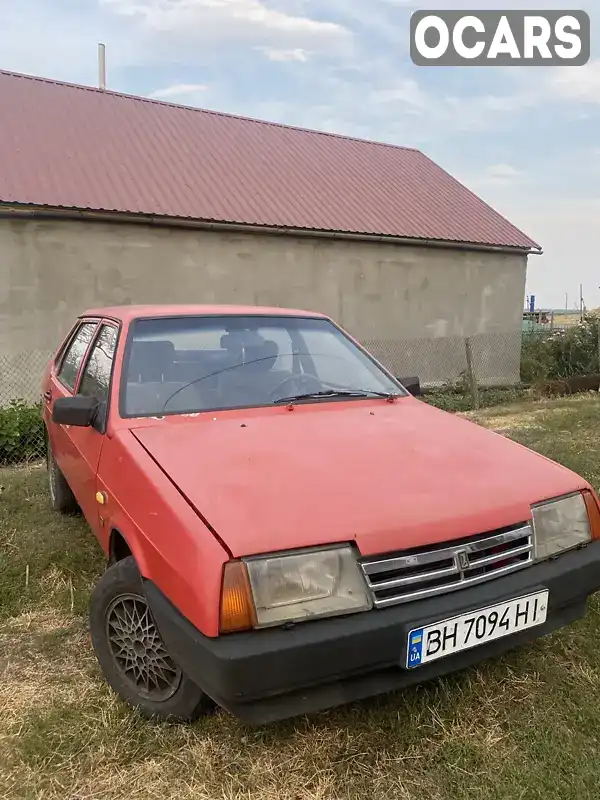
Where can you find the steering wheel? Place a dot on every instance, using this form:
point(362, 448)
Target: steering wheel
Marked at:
point(303, 383)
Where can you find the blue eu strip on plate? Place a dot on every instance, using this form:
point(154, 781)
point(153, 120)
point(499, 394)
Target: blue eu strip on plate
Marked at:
point(415, 648)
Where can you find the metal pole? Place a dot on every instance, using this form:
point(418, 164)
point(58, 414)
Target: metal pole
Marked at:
point(101, 66)
point(471, 373)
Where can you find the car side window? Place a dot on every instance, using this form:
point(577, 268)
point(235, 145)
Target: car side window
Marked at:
point(69, 369)
point(95, 380)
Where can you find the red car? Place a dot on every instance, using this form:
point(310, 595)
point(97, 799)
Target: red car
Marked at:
point(288, 528)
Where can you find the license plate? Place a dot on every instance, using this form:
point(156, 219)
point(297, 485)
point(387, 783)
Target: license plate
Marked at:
point(474, 628)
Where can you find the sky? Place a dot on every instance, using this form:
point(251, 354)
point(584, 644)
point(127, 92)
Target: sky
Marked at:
point(526, 139)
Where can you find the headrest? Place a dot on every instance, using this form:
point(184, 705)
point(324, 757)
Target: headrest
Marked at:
point(157, 349)
point(259, 353)
point(235, 340)
point(151, 360)
point(270, 349)
point(262, 356)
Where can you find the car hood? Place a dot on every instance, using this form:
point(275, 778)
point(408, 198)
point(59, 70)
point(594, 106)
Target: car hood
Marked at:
point(388, 476)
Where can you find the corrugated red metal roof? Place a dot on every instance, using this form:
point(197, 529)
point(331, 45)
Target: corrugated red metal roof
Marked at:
point(78, 147)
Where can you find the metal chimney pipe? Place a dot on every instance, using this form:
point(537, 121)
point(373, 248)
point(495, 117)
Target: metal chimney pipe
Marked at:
point(101, 66)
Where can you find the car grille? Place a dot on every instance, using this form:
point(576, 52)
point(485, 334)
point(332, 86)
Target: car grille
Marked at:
point(417, 574)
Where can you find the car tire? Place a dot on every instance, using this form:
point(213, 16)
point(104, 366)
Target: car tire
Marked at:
point(131, 653)
point(62, 498)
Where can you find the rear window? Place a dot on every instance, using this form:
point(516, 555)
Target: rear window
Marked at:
point(95, 380)
point(71, 363)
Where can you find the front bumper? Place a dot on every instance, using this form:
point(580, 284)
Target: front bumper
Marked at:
point(268, 675)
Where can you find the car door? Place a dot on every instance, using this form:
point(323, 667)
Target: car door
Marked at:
point(94, 381)
point(61, 382)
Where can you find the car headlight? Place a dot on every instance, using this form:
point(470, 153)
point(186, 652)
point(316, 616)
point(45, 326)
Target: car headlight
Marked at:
point(292, 587)
point(560, 525)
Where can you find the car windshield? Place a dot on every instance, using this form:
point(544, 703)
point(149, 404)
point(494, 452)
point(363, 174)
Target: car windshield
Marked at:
point(176, 365)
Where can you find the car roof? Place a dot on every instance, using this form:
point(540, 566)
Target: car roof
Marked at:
point(126, 313)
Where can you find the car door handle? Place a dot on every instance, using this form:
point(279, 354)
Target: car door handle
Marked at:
point(48, 395)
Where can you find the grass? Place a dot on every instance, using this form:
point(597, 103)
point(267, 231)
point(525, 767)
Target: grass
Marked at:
point(461, 400)
point(522, 727)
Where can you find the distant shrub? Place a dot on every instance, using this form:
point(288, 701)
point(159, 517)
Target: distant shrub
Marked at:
point(536, 358)
point(561, 354)
point(21, 432)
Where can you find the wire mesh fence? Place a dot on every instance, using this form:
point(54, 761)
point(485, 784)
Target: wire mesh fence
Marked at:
point(22, 437)
point(491, 359)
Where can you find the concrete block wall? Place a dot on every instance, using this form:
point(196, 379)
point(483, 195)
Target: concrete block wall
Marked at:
point(387, 295)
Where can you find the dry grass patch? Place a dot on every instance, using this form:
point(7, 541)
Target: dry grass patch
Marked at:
point(29, 645)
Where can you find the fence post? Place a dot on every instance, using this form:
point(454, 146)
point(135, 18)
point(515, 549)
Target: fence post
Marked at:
point(471, 373)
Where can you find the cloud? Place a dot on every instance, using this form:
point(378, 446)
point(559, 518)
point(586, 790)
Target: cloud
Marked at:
point(505, 103)
point(457, 112)
point(479, 112)
point(502, 174)
point(178, 90)
point(273, 54)
point(59, 41)
point(187, 23)
point(580, 84)
point(370, 19)
point(406, 92)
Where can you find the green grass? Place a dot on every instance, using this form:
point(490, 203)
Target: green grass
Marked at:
point(461, 400)
point(523, 727)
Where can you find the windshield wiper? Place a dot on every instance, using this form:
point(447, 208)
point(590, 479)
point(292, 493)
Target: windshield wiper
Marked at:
point(336, 393)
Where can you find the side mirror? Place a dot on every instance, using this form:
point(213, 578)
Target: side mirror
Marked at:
point(79, 410)
point(412, 385)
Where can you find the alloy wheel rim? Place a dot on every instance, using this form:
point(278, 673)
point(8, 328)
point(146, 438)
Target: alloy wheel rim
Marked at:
point(138, 651)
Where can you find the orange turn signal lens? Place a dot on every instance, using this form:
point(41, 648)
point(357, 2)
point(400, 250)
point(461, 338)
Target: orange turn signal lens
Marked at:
point(593, 513)
point(237, 606)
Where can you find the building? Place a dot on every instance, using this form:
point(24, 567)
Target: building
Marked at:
point(107, 198)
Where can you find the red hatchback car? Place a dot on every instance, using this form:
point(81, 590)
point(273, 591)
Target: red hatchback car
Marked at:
point(287, 527)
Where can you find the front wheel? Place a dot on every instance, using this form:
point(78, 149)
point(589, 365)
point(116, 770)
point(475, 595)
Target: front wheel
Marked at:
point(131, 652)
